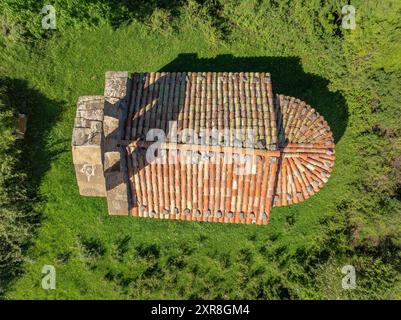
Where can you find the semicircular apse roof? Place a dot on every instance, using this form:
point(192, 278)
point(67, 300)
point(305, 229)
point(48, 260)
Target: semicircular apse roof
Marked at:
point(307, 146)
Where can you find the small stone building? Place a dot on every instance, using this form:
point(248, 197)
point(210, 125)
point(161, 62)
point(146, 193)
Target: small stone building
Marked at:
point(200, 146)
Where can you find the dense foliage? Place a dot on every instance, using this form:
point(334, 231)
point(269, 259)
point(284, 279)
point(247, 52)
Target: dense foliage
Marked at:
point(358, 220)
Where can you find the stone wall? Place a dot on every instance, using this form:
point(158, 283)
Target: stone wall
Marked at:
point(116, 95)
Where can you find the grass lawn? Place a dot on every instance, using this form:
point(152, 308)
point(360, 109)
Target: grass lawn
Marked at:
point(97, 256)
point(298, 255)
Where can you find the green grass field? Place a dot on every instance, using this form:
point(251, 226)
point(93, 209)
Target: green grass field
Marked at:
point(300, 253)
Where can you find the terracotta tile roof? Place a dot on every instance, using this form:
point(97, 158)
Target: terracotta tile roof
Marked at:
point(204, 100)
point(291, 154)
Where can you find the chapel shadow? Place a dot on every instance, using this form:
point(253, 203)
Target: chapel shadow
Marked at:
point(288, 78)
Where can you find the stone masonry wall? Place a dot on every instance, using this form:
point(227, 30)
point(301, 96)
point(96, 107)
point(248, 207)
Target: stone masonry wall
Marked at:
point(87, 146)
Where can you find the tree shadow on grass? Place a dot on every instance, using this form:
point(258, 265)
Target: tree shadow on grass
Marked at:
point(288, 78)
point(33, 161)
